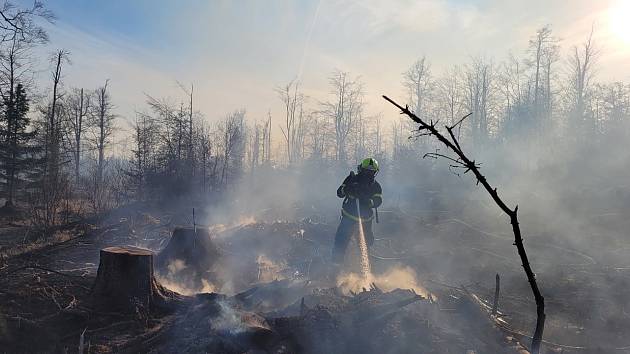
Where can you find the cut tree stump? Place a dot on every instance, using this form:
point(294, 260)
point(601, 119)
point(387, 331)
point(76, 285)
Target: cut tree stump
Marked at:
point(188, 257)
point(125, 281)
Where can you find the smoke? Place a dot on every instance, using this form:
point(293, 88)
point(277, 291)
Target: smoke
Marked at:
point(223, 230)
point(271, 194)
point(185, 285)
point(393, 278)
point(268, 270)
point(178, 287)
point(228, 320)
point(439, 226)
point(176, 266)
point(400, 277)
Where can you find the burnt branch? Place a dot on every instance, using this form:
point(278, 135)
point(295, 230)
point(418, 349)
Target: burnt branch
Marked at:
point(459, 121)
point(471, 166)
point(436, 155)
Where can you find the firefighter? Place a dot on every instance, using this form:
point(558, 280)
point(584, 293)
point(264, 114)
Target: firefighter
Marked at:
point(361, 188)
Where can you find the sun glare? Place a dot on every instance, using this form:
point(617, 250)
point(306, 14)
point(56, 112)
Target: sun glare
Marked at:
point(619, 20)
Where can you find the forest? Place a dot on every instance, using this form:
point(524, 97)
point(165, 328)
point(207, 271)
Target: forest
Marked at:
point(78, 179)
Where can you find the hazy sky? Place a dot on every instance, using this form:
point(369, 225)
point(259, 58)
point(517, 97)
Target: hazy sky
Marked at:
point(236, 52)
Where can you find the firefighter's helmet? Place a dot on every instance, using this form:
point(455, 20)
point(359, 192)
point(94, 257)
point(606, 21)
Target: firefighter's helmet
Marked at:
point(369, 164)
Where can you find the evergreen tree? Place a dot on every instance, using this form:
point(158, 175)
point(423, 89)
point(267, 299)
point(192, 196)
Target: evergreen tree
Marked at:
point(15, 149)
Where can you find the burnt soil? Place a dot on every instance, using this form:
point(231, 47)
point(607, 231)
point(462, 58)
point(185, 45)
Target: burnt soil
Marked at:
point(287, 301)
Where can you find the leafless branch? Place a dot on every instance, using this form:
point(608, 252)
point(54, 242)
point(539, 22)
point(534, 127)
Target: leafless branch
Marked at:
point(470, 165)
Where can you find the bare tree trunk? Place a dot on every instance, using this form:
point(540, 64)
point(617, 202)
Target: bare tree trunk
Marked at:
point(53, 124)
point(292, 100)
point(80, 112)
point(343, 109)
point(582, 63)
point(104, 120)
point(52, 184)
point(11, 126)
point(101, 132)
point(191, 157)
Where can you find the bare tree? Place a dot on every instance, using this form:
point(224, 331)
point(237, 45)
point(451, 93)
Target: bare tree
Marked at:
point(163, 165)
point(292, 130)
point(254, 147)
point(397, 139)
point(266, 140)
point(77, 109)
point(378, 137)
point(510, 85)
point(449, 94)
point(344, 108)
point(317, 133)
point(551, 56)
point(478, 88)
point(143, 158)
point(52, 186)
point(189, 143)
point(418, 82)
point(171, 132)
point(543, 50)
point(232, 136)
point(206, 149)
point(359, 135)
point(299, 136)
point(20, 24)
point(537, 47)
point(581, 71)
point(102, 122)
point(54, 122)
point(615, 98)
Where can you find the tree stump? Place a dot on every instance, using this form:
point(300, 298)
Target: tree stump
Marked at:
point(125, 281)
point(188, 257)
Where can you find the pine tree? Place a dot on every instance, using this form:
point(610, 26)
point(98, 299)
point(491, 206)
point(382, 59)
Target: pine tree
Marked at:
point(15, 149)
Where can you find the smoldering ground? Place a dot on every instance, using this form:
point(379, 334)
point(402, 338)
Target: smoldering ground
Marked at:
point(438, 228)
point(436, 231)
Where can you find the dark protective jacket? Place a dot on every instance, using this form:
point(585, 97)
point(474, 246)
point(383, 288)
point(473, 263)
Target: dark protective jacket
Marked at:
point(360, 187)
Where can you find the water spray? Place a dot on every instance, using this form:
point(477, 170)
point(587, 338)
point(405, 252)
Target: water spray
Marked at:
point(366, 271)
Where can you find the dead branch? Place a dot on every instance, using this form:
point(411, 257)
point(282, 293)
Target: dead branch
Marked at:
point(470, 165)
point(497, 288)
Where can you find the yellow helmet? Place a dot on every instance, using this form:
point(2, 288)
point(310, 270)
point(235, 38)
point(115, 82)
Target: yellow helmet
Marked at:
point(369, 164)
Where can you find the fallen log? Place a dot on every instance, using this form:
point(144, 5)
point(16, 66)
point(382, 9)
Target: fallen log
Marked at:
point(484, 314)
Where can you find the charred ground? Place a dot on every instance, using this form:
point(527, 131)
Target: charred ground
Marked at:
point(268, 286)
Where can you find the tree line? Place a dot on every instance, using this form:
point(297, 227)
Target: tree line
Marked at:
point(45, 136)
point(56, 160)
point(524, 99)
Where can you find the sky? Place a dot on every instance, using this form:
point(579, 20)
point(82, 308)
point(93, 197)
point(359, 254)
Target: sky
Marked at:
point(236, 52)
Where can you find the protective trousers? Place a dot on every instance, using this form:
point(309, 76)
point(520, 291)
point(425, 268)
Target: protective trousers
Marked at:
point(346, 229)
